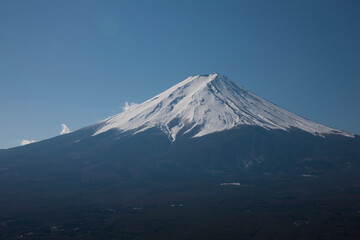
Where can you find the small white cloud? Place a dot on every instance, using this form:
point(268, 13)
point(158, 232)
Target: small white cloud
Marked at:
point(64, 129)
point(25, 142)
point(127, 106)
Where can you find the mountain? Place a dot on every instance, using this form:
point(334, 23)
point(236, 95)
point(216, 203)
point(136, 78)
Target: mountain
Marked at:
point(204, 125)
point(205, 159)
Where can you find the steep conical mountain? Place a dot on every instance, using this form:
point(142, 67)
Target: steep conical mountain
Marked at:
point(205, 104)
point(205, 147)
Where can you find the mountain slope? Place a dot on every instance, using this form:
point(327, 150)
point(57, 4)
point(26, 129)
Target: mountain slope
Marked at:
point(205, 104)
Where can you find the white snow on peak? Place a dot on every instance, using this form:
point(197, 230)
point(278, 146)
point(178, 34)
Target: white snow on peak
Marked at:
point(205, 104)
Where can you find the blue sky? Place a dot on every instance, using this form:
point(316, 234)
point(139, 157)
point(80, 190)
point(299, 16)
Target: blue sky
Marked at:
point(78, 62)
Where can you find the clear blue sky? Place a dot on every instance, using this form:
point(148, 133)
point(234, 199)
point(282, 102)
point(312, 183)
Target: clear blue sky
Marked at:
point(77, 62)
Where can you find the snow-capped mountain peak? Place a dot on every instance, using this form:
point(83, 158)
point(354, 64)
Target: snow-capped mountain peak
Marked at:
point(203, 104)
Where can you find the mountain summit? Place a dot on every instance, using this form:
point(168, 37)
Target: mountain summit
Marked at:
point(204, 104)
